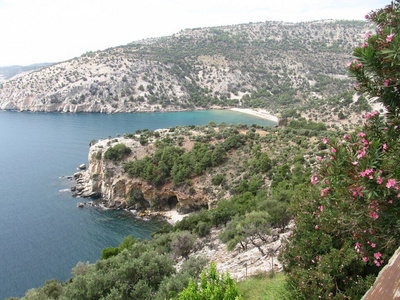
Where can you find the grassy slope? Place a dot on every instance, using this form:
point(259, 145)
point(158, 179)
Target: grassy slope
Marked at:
point(266, 287)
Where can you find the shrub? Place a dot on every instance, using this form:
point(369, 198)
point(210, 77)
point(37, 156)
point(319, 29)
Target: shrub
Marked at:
point(346, 225)
point(212, 286)
point(218, 179)
point(203, 229)
point(182, 244)
point(117, 152)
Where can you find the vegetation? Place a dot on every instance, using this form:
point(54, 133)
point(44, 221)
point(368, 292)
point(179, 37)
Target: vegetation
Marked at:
point(267, 287)
point(140, 270)
point(117, 152)
point(212, 286)
point(340, 188)
point(347, 224)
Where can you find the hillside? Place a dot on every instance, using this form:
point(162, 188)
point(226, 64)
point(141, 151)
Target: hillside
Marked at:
point(272, 64)
point(10, 71)
point(237, 168)
point(195, 166)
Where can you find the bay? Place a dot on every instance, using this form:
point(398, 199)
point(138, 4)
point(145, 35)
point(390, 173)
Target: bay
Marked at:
point(42, 233)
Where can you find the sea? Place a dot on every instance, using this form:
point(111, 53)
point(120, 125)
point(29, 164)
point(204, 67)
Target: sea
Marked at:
point(43, 234)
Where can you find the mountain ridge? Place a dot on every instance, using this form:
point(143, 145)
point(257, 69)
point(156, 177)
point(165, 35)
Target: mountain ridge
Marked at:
point(267, 64)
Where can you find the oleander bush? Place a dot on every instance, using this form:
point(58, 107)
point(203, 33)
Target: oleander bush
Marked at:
point(347, 222)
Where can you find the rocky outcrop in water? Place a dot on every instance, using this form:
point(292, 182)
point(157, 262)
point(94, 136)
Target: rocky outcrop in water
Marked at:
point(107, 179)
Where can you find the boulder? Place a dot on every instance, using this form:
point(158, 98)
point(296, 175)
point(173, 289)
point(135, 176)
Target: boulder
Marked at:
point(78, 175)
point(82, 167)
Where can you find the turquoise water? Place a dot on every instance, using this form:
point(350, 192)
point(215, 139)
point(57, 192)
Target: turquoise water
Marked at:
point(42, 233)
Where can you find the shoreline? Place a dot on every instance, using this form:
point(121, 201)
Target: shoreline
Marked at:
point(262, 113)
point(172, 216)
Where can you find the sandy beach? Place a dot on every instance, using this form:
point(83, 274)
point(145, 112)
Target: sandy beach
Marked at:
point(262, 113)
point(172, 216)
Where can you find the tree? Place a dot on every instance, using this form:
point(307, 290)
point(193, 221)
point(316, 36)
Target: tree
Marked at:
point(135, 273)
point(117, 152)
point(182, 244)
point(218, 155)
point(253, 227)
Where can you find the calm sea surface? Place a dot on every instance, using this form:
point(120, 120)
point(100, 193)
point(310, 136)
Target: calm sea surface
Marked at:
point(42, 233)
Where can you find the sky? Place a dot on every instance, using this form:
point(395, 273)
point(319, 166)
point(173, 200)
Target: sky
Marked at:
point(38, 31)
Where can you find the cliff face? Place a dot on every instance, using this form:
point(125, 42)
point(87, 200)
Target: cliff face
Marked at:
point(108, 179)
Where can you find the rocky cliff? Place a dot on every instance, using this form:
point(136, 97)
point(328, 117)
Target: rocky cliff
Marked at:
point(117, 189)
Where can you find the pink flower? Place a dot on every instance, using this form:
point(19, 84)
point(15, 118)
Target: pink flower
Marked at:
point(373, 215)
point(362, 153)
point(374, 113)
point(367, 116)
point(357, 192)
point(367, 35)
point(325, 191)
point(365, 259)
point(390, 183)
point(367, 172)
point(333, 150)
point(324, 140)
point(373, 245)
point(364, 45)
point(377, 255)
point(314, 179)
point(347, 137)
point(362, 134)
point(316, 226)
point(389, 37)
point(358, 247)
point(355, 162)
point(379, 180)
point(386, 82)
point(377, 263)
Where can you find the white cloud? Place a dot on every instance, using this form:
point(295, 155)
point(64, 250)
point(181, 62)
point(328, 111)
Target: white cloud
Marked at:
point(55, 30)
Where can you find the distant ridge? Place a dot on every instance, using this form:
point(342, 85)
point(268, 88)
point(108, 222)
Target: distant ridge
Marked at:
point(274, 65)
point(7, 72)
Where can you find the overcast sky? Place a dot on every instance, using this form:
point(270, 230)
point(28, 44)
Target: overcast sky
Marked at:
point(36, 31)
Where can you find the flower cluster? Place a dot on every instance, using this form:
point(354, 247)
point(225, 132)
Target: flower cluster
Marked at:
point(346, 223)
point(376, 61)
point(349, 211)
